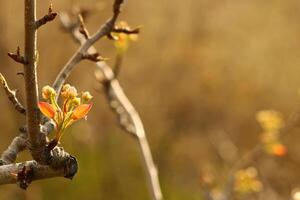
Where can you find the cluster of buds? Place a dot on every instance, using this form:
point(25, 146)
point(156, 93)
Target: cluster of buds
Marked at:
point(246, 181)
point(271, 123)
point(123, 35)
point(73, 109)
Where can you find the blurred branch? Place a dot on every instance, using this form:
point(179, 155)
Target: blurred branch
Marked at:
point(11, 94)
point(18, 144)
point(105, 29)
point(128, 117)
point(118, 64)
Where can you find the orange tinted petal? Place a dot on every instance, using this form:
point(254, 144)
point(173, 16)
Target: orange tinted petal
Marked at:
point(47, 109)
point(81, 111)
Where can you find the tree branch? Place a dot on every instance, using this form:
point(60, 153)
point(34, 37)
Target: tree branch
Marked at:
point(128, 117)
point(18, 144)
point(77, 57)
point(37, 139)
point(24, 173)
point(12, 96)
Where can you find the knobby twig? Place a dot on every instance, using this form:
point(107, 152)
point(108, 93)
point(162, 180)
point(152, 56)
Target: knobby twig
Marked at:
point(128, 117)
point(11, 94)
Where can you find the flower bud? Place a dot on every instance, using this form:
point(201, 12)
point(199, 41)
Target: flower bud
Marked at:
point(86, 96)
point(47, 92)
point(69, 92)
point(76, 102)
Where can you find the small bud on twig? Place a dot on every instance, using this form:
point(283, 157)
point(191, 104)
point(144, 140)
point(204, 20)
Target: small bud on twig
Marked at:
point(17, 56)
point(47, 18)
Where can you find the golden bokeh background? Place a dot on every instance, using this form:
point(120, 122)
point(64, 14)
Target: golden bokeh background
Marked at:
point(198, 75)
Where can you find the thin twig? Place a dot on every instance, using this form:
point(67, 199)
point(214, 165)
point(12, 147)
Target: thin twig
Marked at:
point(77, 57)
point(11, 94)
point(50, 16)
point(129, 118)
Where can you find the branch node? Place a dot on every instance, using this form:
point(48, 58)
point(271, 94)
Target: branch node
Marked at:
point(47, 18)
point(17, 57)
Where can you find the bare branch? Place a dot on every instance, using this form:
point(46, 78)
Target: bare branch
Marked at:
point(37, 139)
point(47, 18)
point(104, 30)
point(17, 57)
point(12, 96)
point(129, 118)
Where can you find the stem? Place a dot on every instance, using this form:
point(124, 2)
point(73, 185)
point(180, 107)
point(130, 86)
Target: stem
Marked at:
point(31, 86)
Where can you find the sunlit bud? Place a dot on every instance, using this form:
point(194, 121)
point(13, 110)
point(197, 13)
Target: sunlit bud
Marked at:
point(47, 92)
point(86, 96)
point(81, 111)
point(47, 109)
point(66, 87)
point(279, 150)
point(64, 90)
point(69, 91)
point(76, 101)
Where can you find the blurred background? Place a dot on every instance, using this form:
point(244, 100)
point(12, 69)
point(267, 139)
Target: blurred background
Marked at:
point(198, 75)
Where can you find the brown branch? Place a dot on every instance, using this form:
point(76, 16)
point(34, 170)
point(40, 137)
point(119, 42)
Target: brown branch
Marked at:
point(11, 94)
point(47, 18)
point(129, 118)
point(77, 57)
point(17, 56)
